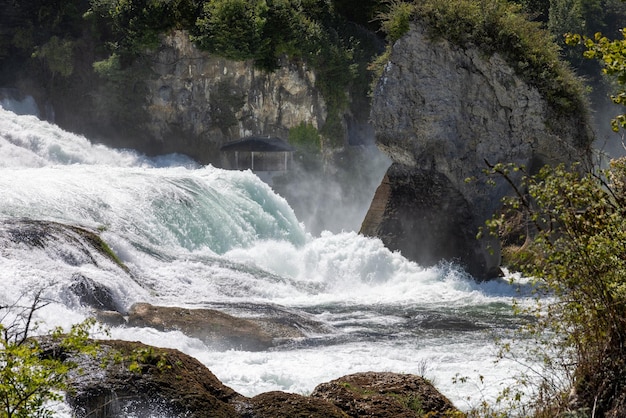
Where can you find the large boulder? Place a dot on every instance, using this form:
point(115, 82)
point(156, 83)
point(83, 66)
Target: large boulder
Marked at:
point(442, 112)
point(133, 379)
point(161, 382)
point(386, 394)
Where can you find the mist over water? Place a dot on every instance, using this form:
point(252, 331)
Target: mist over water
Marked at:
point(335, 197)
point(195, 236)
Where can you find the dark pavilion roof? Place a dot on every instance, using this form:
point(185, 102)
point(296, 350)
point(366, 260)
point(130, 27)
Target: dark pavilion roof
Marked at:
point(259, 144)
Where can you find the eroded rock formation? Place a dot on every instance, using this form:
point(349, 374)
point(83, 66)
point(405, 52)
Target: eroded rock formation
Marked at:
point(442, 112)
point(383, 394)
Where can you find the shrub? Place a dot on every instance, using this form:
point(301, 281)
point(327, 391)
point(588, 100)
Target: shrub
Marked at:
point(31, 374)
point(57, 54)
point(306, 137)
point(577, 256)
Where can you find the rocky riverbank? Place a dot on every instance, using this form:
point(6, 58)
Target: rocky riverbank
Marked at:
point(166, 382)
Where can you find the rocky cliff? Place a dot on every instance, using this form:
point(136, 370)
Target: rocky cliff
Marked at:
point(205, 100)
point(188, 101)
point(175, 98)
point(441, 112)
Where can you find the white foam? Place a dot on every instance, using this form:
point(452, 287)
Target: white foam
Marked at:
point(196, 236)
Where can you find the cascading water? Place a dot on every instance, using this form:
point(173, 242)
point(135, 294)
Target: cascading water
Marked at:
point(195, 236)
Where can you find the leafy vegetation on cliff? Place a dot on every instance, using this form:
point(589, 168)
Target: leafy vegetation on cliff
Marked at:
point(116, 33)
point(612, 56)
point(576, 228)
point(497, 26)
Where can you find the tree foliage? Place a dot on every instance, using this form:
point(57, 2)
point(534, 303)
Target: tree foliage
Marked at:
point(577, 255)
point(612, 56)
point(232, 28)
point(58, 56)
point(130, 26)
point(32, 374)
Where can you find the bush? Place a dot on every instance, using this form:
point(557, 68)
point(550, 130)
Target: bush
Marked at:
point(32, 375)
point(306, 138)
point(577, 255)
point(57, 54)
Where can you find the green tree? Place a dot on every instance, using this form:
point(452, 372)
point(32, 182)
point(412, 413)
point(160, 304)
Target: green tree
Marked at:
point(33, 371)
point(537, 10)
point(58, 56)
point(232, 28)
point(130, 26)
point(612, 56)
point(577, 255)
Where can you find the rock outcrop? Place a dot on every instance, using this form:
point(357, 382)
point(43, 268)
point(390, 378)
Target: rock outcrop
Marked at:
point(442, 112)
point(180, 99)
point(176, 98)
point(166, 382)
point(373, 395)
point(270, 326)
point(198, 101)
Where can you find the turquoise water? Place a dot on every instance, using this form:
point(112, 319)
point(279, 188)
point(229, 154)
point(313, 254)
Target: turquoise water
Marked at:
point(199, 236)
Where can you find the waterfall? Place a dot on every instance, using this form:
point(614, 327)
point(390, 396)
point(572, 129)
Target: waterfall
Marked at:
point(198, 236)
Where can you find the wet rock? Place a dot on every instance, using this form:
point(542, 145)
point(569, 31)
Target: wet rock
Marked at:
point(423, 215)
point(92, 294)
point(72, 244)
point(217, 329)
point(143, 381)
point(287, 405)
point(110, 318)
point(384, 395)
point(281, 323)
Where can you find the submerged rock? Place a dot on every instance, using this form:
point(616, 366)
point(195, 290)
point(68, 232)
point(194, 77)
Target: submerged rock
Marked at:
point(217, 329)
point(140, 380)
point(441, 112)
point(222, 331)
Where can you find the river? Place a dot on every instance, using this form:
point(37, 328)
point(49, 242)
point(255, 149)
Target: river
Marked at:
point(199, 236)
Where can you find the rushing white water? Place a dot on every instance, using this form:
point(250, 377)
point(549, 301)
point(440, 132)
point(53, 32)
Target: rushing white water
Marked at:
point(205, 237)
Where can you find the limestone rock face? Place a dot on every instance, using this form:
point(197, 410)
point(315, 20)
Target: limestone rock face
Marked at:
point(197, 101)
point(441, 112)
